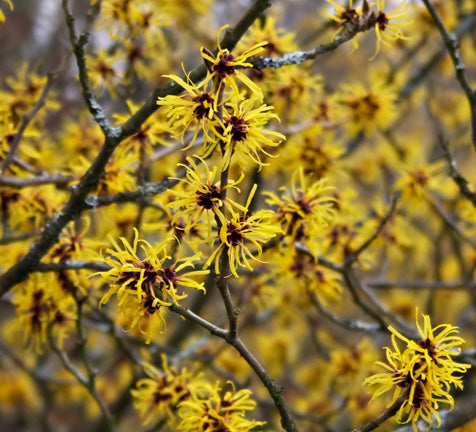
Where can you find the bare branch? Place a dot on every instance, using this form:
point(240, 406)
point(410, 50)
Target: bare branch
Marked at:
point(412, 285)
point(19, 237)
point(354, 255)
point(78, 44)
point(451, 43)
point(390, 412)
point(72, 265)
point(320, 259)
point(298, 57)
point(188, 314)
point(347, 324)
point(21, 182)
point(448, 220)
point(148, 190)
point(274, 390)
point(456, 175)
point(466, 26)
point(83, 380)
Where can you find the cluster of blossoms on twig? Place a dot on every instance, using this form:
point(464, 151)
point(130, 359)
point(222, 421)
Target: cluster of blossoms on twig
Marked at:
point(143, 285)
point(372, 15)
point(424, 372)
point(189, 403)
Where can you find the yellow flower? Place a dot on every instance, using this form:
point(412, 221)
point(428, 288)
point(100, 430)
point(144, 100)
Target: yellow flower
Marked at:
point(185, 12)
point(40, 305)
point(278, 40)
point(294, 91)
point(196, 110)
point(224, 67)
point(299, 274)
point(244, 134)
point(424, 370)
point(104, 73)
point(131, 19)
point(366, 108)
point(31, 208)
point(120, 172)
point(306, 207)
point(420, 178)
point(18, 391)
point(211, 411)
point(315, 150)
point(386, 24)
point(239, 230)
point(23, 91)
point(157, 396)
point(347, 18)
point(143, 286)
point(150, 133)
point(202, 196)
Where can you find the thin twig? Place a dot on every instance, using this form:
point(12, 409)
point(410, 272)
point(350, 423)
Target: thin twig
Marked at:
point(390, 412)
point(355, 255)
point(412, 285)
point(148, 190)
point(297, 57)
point(355, 287)
point(19, 237)
point(456, 175)
point(188, 314)
point(224, 264)
point(451, 43)
point(356, 325)
point(407, 329)
point(45, 267)
point(448, 220)
point(91, 373)
point(274, 390)
point(26, 166)
point(78, 44)
point(21, 182)
point(84, 381)
point(466, 26)
point(320, 259)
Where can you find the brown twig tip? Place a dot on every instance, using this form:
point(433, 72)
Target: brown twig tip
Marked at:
point(367, 243)
point(390, 412)
point(456, 175)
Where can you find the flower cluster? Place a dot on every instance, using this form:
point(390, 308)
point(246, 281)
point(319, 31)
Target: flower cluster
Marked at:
point(42, 306)
point(186, 401)
point(226, 116)
point(423, 371)
point(241, 229)
point(202, 197)
point(144, 285)
point(306, 208)
point(227, 112)
point(363, 18)
point(158, 396)
point(211, 411)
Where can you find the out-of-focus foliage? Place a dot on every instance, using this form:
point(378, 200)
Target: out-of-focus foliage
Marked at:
point(265, 222)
